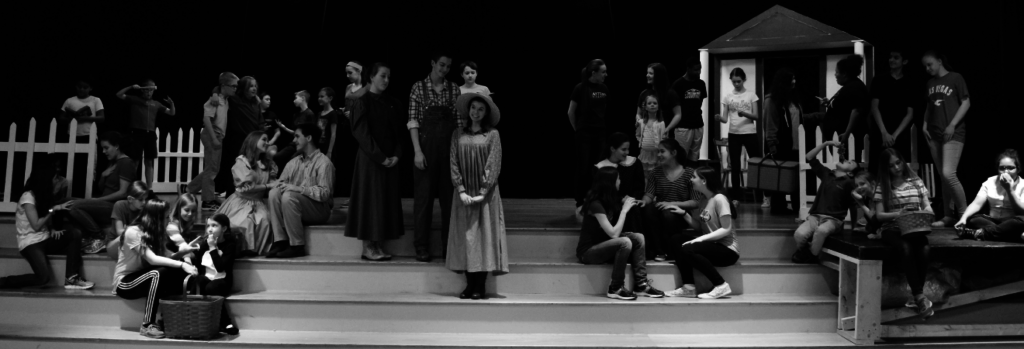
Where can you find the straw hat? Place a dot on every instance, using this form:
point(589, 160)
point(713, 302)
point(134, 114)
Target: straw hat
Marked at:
point(462, 106)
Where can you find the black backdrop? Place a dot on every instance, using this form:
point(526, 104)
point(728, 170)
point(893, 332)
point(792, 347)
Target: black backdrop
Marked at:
point(530, 55)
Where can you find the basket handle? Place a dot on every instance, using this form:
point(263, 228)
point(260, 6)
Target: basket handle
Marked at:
point(184, 289)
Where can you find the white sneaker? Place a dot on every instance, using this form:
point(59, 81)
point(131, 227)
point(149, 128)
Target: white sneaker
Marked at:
point(767, 203)
point(687, 291)
point(718, 292)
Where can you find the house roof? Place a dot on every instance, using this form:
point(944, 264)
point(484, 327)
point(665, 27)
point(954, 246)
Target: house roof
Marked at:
point(780, 29)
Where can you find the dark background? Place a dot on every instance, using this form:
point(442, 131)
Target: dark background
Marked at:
point(529, 54)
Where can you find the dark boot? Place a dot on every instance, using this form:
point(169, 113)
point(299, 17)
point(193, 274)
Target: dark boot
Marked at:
point(480, 289)
point(470, 282)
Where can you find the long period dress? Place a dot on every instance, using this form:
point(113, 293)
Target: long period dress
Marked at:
point(476, 241)
point(247, 207)
point(375, 207)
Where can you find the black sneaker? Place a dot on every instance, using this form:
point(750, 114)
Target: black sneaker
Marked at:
point(804, 257)
point(210, 206)
point(924, 307)
point(645, 289)
point(622, 293)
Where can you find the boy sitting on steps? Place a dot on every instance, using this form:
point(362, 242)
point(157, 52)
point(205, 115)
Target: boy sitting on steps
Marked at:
point(831, 204)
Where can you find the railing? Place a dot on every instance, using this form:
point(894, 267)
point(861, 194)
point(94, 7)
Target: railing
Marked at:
point(830, 157)
point(182, 158)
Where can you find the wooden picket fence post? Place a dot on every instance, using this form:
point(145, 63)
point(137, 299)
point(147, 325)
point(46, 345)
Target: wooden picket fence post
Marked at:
point(830, 157)
point(184, 156)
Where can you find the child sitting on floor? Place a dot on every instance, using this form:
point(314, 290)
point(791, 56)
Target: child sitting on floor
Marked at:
point(830, 205)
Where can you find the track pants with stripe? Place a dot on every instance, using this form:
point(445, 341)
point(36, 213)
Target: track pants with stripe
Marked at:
point(152, 284)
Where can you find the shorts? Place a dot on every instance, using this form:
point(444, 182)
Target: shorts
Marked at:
point(690, 139)
point(143, 143)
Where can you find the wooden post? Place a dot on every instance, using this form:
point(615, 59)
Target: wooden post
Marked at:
point(10, 161)
point(91, 167)
point(181, 160)
point(30, 148)
point(804, 197)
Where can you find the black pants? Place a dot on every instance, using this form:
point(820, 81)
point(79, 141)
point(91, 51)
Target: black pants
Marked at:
point(435, 181)
point(153, 284)
point(736, 144)
point(995, 229)
point(658, 226)
point(778, 199)
point(914, 252)
point(219, 287)
point(588, 143)
point(703, 256)
point(69, 244)
point(624, 249)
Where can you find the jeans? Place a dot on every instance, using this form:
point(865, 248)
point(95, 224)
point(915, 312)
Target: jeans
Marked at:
point(813, 232)
point(1007, 229)
point(211, 165)
point(69, 244)
point(91, 215)
point(435, 181)
point(946, 156)
point(627, 248)
point(703, 256)
point(914, 252)
point(588, 152)
point(658, 226)
point(289, 211)
point(736, 144)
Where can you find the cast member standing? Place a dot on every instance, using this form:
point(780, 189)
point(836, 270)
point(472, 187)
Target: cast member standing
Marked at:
point(215, 119)
point(689, 130)
point(848, 109)
point(375, 207)
point(337, 141)
point(244, 116)
point(356, 87)
point(892, 109)
point(87, 109)
point(948, 101)
point(587, 108)
point(469, 77)
point(432, 119)
point(740, 112)
point(142, 124)
point(782, 114)
point(476, 243)
point(303, 116)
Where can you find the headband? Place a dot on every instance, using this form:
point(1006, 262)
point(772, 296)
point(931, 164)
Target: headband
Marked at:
point(355, 66)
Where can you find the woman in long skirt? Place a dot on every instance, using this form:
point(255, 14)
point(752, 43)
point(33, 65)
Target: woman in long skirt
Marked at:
point(476, 241)
point(247, 207)
point(375, 208)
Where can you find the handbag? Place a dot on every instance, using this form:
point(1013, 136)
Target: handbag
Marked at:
point(195, 317)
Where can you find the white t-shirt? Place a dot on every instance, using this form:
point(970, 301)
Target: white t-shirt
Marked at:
point(710, 220)
point(1000, 202)
point(94, 104)
point(740, 102)
point(130, 259)
point(26, 235)
point(481, 89)
point(211, 271)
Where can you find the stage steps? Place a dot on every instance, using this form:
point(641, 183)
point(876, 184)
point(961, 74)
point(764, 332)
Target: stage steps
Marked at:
point(546, 291)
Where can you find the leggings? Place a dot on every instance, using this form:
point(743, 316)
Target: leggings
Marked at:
point(153, 284)
point(914, 251)
point(703, 256)
point(736, 144)
point(70, 244)
point(658, 226)
point(219, 287)
point(1006, 229)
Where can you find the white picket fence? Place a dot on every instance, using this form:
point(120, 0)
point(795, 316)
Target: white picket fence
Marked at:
point(186, 151)
point(830, 157)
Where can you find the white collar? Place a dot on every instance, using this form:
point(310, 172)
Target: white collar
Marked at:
point(625, 163)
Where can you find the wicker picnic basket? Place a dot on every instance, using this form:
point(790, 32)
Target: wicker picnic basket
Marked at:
point(194, 317)
point(913, 222)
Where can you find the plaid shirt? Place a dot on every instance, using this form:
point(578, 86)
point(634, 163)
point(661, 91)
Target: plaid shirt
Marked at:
point(423, 96)
point(314, 173)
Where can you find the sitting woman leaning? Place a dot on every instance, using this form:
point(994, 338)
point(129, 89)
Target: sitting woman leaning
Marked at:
point(601, 242)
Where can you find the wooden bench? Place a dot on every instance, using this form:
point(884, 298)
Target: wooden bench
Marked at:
point(861, 318)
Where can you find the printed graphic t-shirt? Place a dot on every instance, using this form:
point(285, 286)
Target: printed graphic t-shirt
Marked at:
point(591, 105)
point(945, 94)
point(76, 104)
point(737, 102)
point(691, 95)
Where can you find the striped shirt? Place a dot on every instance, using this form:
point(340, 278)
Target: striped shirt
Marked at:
point(424, 96)
point(314, 173)
point(661, 189)
point(912, 193)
